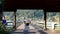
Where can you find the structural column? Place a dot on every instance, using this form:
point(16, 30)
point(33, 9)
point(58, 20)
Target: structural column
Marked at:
point(15, 19)
point(45, 19)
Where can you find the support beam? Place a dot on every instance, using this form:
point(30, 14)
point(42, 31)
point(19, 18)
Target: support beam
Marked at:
point(1, 10)
point(1, 16)
point(15, 19)
point(45, 19)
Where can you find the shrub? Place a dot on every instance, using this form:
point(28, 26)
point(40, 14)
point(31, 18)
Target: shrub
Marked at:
point(3, 30)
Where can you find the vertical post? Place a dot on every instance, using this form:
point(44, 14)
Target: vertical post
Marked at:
point(1, 16)
point(15, 19)
point(45, 7)
point(45, 19)
point(1, 7)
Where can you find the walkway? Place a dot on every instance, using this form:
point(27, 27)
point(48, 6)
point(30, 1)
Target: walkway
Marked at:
point(22, 29)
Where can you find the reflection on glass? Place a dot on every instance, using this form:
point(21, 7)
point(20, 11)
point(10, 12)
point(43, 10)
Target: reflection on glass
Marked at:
point(35, 16)
point(53, 16)
point(52, 19)
point(9, 16)
point(32, 14)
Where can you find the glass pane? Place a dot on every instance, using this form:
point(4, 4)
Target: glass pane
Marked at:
point(9, 16)
point(33, 14)
point(36, 16)
point(52, 18)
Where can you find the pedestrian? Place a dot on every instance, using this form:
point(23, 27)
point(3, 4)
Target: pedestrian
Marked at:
point(4, 22)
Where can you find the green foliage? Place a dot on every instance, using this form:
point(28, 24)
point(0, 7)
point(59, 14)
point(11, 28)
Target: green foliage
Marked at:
point(50, 16)
point(37, 14)
point(2, 29)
